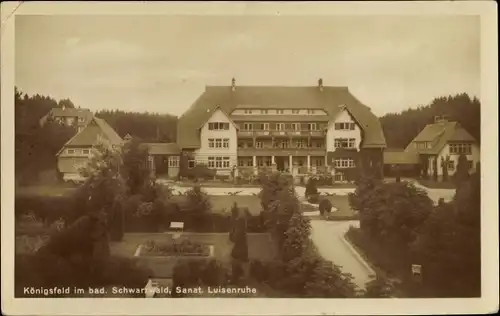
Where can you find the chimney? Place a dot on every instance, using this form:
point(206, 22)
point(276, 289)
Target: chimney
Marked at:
point(320, 84)
point(440, 119)
point(233, 84)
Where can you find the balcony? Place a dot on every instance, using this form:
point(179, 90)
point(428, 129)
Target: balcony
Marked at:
point(275, 151)
point(275, 133)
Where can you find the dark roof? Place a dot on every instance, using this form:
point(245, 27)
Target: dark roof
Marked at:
point(280, 118)
point(276, 97)
point(439, 134)
point(162, 148)
point(69, 112)
point(97, 129)
point(398, 157)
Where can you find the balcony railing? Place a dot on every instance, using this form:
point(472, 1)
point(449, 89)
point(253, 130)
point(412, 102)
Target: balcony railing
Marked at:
point(275, 151)
point(286, 133)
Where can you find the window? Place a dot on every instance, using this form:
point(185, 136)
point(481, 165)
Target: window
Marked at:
point(71, 151)
point(81, 119)
point(288, 126)
point(218, 126)
point(280, 126)
point(248, 111)
point(282, 144)
point(451, 165)
point(249, 163)
point(279, 111)
point(318, 162)
point(310, 111)
point(469, 164)
point(344, 126)
point(225, 143)
point(344, 163)
point(263, 111)
point(339, 176)
point(86, 151)
point(258, 144)
point(296, 126)
point(301, 143)
point(218, 143)
point(218, 162)
point(211, 143)
point(173, 161)
point(248, 126)
point(312, 126)
point(266, 126)
point(191, 163)
point(241, 162)
point(260, 161)
point(295, 111)
point(344, 142)
point(211, 162)
point(268, 161)
point(461, 149)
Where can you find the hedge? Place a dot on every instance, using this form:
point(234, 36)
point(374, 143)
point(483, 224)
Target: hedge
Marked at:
point(44, 208)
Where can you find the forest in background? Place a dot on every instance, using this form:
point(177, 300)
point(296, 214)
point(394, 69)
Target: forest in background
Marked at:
point(400, 128)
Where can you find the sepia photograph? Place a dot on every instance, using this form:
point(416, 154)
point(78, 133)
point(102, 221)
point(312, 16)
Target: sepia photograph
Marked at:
point(253, 152)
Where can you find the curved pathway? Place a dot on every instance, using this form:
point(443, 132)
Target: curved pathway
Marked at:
point(328, 236)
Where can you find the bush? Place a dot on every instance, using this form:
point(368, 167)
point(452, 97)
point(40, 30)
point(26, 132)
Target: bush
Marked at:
point(325, 206)
point(201, 171)
point(311, 188)
point(313, 198)
point(47, 209)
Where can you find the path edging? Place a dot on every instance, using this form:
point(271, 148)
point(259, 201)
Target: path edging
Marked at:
point(358, 256)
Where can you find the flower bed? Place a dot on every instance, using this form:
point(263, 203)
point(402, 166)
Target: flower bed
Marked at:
point(183, 247)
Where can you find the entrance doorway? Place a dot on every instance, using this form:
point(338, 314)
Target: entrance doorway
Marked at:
point(280, 163)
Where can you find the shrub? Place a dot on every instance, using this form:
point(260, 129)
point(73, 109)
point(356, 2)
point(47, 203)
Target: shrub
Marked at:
point(240, 248)
point(201, 171)
point(44, 208)
point(237, 271)
point(325, 206)
point(311, 188)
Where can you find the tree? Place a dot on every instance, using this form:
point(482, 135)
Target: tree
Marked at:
point(296, 237)
point(197, 204)
point(449, 244)
point(393, 212)
point(311, 189)
point(378, 288)
point(435, 169)
point(240, 248)
point(67, 103)
point(445, 162)
point(135, 170)
point(462, 173)
point(235, 213)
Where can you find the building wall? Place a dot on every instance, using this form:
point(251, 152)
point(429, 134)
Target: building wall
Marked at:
point(201, 155)
point(331, 134)
point(474, 157)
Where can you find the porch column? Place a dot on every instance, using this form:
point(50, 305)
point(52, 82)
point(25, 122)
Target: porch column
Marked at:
point(308, 163)
point(254, 164)
point(290, 165)
point(272, 160)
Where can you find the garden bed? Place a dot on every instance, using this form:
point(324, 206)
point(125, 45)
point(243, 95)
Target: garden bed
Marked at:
point(183, 247)
point(431, 184)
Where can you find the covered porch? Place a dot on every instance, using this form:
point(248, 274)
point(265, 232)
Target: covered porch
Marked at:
point(163, 159)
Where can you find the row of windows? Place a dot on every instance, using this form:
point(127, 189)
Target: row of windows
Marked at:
point(345, 142)
point(344, 126)
point(218, 162)
point(280, 127)
point(461, 149)
point(78, 151)
point(344, 163)
point(451, 165)
point(218, 126)
point(281, 144)
point(265, 111)
point(218, 143)
point(267, 161)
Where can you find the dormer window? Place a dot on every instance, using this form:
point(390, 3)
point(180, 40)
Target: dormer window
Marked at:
point(310, 111)
point(248, 111)
point(218, 126)
point(295, 111)
point(344, 126)
point(279, 111)
point(263, 111)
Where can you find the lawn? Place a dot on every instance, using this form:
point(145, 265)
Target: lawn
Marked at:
point(437, 184)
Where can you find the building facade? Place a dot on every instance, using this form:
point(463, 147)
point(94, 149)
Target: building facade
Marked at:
point(79, 118)
point(296, 130)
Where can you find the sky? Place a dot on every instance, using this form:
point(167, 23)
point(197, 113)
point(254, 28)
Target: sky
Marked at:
point(163, 63)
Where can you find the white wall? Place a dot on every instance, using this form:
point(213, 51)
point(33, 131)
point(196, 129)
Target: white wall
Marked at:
point(201, 155)
point(331, 134)
point(474, 156)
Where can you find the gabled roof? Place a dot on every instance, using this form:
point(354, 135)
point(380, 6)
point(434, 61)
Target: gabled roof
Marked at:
point(96, 130)
point(276, 97)
point(68, 112)
point(218, 108)
point(438, 135)
point(162, 148)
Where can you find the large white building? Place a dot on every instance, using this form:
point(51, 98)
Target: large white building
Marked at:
point(291, 129)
